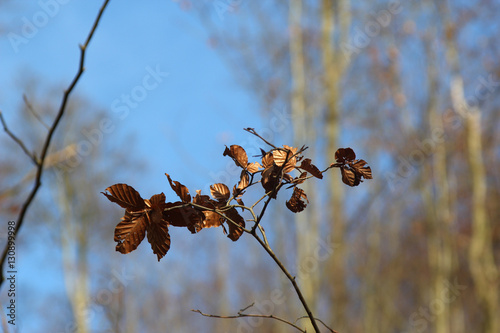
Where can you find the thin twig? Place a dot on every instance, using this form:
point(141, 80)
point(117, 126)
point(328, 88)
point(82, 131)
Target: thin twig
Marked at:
point(33, 112)
point(257, 223)
point(292, 280)
point(261, 215)
point(18, 141)
point(321, 321)
point(242, 315)
point(246, 307)
point(48, 139)
point(263, 235)
point(218, 211)
point(252, 130)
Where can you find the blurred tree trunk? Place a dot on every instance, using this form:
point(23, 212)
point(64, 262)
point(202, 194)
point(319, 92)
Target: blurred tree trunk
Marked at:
point(481, 260)
point(334, 65)
point(302, 115)
point(440, 251)
point(371, 289)
point(221, 282)
point(480, 254)
point(74, 251)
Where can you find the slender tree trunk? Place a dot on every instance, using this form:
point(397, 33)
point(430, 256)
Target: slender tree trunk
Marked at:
point(334, 64)
point(481, 260)
point(440, 238)
point(74, 249)
point(306, 221)
point(484, 272)
point(371, 294)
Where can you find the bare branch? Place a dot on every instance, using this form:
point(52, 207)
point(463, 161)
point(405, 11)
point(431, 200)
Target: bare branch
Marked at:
point(321, 321)
point(291, 278)
point(18, 141)
point(33, 112)
point(48, 139)
point(252, 130)
point(242, 315)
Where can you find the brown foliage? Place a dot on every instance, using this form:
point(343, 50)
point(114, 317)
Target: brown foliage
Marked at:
point(352, 170)
point(296, 203)
point(154, 216)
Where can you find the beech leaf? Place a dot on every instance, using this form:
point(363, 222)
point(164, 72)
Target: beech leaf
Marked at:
point(130, 232)
point(253, 167)
point(178, 215)
point(365, 171)
point(125, 196)
point(285, 156)
point(235, 232)
point(238, 154)
point(343, 155)
point(349, 177)
point(296, 203)
point(159, 238)
point(212, 219)
point(270, 179)
point(219, 191)
point(244, 181)
point(181, 190)
point(306, 165)
point(267, 160)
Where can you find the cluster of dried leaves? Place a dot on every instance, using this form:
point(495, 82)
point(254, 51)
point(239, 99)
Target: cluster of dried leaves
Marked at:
point(154, 216)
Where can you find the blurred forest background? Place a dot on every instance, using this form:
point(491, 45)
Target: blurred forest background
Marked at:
point(412, 86)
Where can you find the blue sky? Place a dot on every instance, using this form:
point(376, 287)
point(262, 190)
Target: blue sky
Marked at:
point(194, 110)
point(179, 126)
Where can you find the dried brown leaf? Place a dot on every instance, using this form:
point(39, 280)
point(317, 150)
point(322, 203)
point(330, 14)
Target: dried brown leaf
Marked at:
point(365, 171)
point(234, 231)
point(204, 200)
point(297, 203)
point(238, 154)
point(156, 202)
point(130, 232)
point(159, 237)
point(349, 177)
point(285, 156)
point(268, 160)
point(311, 168)
point(244, 181)
point(300, 179)
point(219, 191)
point(181, 190)
point(178, 215)
point(344, 155)
point(212, 219)
point(240, 202)
point(270, 179)
point(353, 171)
point(253, 167)
point(125, 196)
